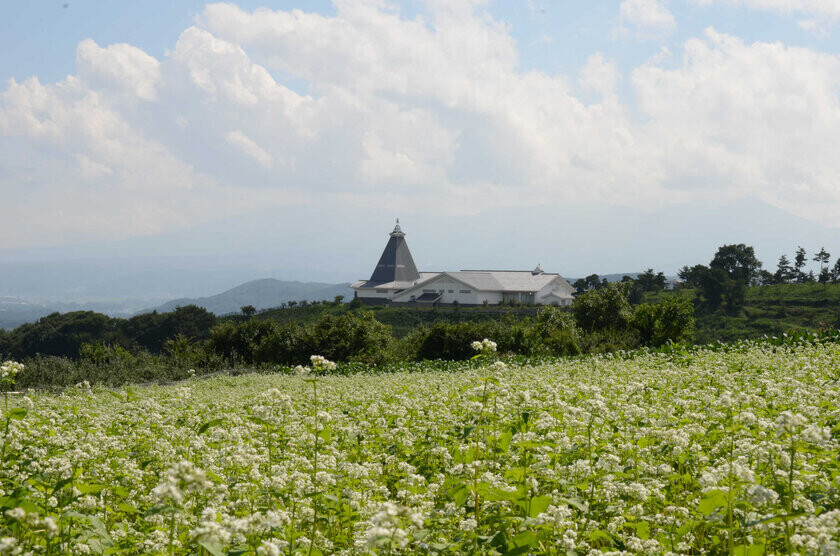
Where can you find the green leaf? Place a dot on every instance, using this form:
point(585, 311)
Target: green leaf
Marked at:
point(326, 434)
point(503, 441)
point(90, 488)
point(61, 484)
point(459, 494)
point(642, 529)
point(100, 529)
point(525, 539)
point(128, 508)
point(17, 413)
point(713, 500)
point(600, 535)
point(212, 423)
point(538, 505)
point(211, 547)
point(751, 550)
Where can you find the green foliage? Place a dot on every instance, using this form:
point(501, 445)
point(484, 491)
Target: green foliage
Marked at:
point(603, 308)
point(557, 331)
point(654, 451)
point(670, 320)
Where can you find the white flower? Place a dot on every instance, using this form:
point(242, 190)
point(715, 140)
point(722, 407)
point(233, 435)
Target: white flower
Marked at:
point(788, 423)
point(10, 369)
point(322, 363)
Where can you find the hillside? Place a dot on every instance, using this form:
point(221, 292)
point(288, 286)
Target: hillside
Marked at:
point(262, 294)
point(769, 310)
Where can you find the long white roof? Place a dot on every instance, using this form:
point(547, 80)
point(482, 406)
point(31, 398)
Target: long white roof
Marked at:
point(504, 280)
point(481, 280)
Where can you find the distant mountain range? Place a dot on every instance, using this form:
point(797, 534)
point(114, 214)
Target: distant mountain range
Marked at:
point(15, 311)
point(262, 294)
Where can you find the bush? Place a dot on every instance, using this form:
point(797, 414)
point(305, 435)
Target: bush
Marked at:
point(604, 308)
point(557, 332)
point(670, 320)
point(350, 336)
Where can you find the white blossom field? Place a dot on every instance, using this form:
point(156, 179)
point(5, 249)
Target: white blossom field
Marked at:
point(707, 452)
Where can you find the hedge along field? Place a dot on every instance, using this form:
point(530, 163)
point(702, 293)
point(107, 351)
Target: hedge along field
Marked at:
point(707, 452)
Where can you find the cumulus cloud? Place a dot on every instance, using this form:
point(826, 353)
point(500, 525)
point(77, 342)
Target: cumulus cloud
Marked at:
point(599, 75)
point(819, 15)
point(121, 66)
point(645, 19)
point(268, 107)
point(825, 8)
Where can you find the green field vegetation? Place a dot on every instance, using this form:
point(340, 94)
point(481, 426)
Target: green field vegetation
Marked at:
point(63, 350)
point(767, 310)
point(723, 450)
point(402, 320)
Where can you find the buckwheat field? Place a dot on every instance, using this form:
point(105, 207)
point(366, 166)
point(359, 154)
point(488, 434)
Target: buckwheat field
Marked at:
point(732, 451)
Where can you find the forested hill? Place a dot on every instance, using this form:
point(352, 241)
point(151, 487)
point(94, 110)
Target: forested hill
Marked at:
point(261, 294)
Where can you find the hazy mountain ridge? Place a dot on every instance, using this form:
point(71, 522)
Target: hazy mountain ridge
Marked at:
point(265, 293)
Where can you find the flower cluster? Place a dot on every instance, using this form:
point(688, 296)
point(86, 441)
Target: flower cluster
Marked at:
point(484, 346)
point(10, 369)
point(322, 363)
point(712, 452)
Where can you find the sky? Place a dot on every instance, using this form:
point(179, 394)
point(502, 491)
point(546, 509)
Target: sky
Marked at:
point(129, 120)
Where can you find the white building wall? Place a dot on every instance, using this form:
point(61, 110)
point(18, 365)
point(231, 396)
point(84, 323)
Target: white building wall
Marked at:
point(369, 293)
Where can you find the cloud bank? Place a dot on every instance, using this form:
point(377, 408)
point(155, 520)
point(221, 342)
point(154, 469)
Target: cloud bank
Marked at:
point(431, 114)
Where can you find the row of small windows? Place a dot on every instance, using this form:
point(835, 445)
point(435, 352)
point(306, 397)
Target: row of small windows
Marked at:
point(442, 291)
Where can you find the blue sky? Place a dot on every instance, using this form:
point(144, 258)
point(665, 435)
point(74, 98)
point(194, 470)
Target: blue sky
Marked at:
point(122, 120)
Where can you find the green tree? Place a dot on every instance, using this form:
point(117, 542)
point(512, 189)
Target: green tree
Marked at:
point(823, 257)
point(692, 275)
point(557, 331)
point(604, 308)
point(651, 281)
point(738, 261)
point(670, 320)
point(835, 272)
point(798, 265)
point(248, 310)
point(784, 272)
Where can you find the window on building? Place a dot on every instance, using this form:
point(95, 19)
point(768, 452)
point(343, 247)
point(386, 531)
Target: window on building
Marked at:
point(381, 291)
point(428, 291)
point(451, 291)
point(464, 291)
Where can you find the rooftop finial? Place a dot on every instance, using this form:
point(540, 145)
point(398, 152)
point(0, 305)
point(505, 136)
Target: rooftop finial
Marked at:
point(397, 230)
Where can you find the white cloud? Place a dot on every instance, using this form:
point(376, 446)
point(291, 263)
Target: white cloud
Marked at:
point(820, 15)
point(645, 19)
point(599, 75)
point(239, 140)
point(749, 119)
point(433, 113)
point(825, 8)
point(121, 66)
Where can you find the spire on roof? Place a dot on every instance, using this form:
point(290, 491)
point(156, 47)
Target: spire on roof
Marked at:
point(538, 270)
point(397, 230)
point(396, 263)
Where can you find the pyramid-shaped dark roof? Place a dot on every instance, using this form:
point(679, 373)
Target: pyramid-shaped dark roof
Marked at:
point(396, 263)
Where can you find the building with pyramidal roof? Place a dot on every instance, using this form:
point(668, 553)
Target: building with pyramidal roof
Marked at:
point(396, 281)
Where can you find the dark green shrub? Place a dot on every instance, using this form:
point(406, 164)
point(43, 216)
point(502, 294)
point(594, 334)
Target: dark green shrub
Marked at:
point(670, 320)
point(603, 308)
point(557, 332)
